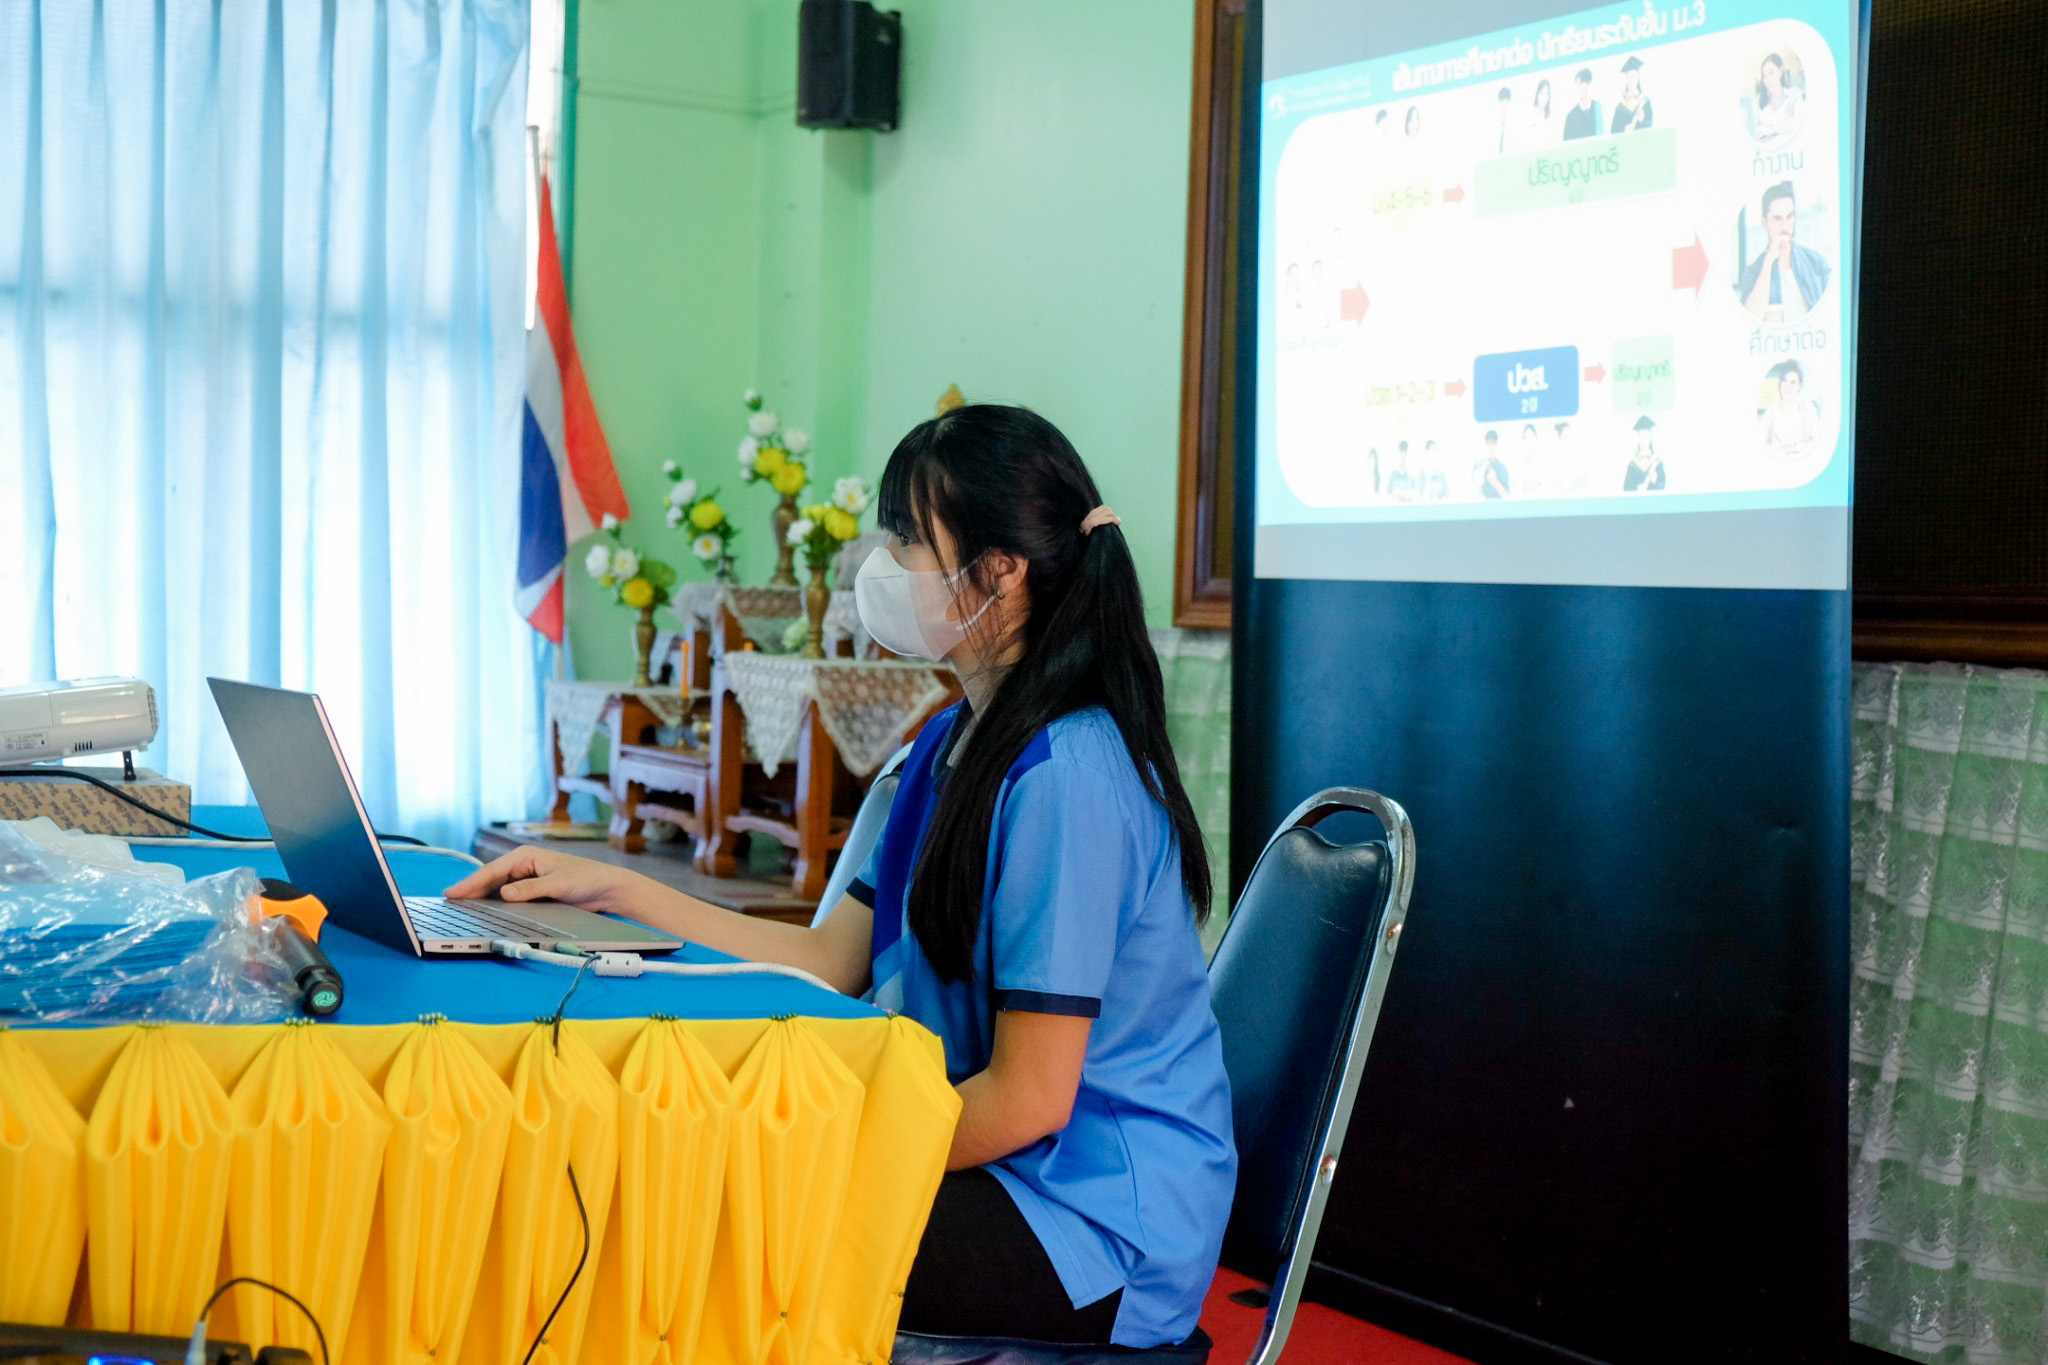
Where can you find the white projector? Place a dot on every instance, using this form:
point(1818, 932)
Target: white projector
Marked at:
point(44, 721)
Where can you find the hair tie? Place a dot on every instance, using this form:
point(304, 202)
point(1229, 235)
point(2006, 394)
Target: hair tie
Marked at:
point(1101, 516)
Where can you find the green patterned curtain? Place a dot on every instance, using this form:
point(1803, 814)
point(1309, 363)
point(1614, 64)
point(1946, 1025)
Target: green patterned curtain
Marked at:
point(1197, 668)
point(1948, 1050)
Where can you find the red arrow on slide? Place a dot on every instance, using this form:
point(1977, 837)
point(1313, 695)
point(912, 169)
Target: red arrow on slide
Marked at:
point(1594, 373)
point(1454, 194)
point(1352, 304)
point(1453, 388)
point(1689, 266)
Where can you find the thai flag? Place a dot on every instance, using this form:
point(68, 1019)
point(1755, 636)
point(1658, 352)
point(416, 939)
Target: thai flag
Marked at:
point(566, 479)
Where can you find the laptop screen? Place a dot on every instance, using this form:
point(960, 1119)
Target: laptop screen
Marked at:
point(295, 767)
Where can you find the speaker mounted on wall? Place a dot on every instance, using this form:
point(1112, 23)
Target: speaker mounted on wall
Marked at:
point(849, 65)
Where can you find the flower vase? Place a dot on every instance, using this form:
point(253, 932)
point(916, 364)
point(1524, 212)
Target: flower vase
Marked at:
point(785, 553)
point(644, 633)
point(817, 597)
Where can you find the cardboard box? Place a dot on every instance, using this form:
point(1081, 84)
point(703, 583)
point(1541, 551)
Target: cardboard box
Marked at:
point(26, 793)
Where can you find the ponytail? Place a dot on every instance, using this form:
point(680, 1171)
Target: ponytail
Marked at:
point(1005, 479)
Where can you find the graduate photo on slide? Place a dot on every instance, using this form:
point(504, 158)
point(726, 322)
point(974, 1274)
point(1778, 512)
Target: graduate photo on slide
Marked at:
point(1646, 468)
point(1632, 111)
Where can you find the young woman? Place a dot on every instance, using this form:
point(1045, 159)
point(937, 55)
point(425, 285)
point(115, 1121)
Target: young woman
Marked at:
point(1775, 111)
point(1790, 427)
point(1543, 130)
point(1033, 900)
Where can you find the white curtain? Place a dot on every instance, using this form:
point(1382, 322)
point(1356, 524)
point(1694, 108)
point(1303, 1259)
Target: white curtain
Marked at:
point(261, 343)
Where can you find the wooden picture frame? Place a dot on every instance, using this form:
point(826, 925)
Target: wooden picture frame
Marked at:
point(1208, 406)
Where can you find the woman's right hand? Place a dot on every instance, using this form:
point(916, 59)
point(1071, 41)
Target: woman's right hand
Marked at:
point(531, 874)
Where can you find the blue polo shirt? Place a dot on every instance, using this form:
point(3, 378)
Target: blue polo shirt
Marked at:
point(1083, 913)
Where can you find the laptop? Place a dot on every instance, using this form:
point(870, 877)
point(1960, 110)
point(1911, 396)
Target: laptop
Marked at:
point(295, 767)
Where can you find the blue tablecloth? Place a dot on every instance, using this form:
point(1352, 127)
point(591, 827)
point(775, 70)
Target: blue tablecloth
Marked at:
point(383, 985)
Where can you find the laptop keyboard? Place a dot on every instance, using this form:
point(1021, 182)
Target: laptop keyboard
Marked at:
point(434, 917)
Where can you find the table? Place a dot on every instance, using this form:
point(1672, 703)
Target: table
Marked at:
point(812, 712)
point(577, 709)
point(757, 1157)
point(765, 612)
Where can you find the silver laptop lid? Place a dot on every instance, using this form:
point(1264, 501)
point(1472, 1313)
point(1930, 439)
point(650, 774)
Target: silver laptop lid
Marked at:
point(295, 766)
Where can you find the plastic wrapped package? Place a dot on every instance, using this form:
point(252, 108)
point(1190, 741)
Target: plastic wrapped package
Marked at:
point(85, 936)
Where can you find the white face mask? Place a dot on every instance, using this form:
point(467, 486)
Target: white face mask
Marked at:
point(905, 610)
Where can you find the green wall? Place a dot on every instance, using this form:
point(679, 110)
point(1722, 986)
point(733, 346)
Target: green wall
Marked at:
point(1021, 235)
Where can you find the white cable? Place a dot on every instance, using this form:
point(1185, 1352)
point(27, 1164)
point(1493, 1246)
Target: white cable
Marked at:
point(156, 842)
point(632, 964)
point(737, 969)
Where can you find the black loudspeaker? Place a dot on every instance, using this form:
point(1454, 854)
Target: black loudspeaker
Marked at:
point(849, 65)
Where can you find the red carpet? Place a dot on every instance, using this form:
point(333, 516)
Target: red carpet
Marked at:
point(1321, 1336)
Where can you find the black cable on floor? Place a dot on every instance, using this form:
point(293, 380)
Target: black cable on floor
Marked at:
point(574, 1275)
point(226, 1285)
point(574, 1189)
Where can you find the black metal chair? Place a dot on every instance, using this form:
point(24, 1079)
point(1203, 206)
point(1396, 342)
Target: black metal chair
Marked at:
point(1297, 984)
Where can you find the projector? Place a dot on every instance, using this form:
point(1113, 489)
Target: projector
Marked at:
point(45, 721)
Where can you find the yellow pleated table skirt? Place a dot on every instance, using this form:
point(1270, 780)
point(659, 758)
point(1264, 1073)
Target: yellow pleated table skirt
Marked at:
point(755, 1188)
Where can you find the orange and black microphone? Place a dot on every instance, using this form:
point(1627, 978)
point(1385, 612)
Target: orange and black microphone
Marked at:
point(319, 984)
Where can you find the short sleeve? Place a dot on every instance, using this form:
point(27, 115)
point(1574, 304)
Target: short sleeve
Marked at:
point(862, 888)
point(1068, 878)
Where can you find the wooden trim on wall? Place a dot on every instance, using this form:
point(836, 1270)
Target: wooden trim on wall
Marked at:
point(1201, 592)
point(2000, 630)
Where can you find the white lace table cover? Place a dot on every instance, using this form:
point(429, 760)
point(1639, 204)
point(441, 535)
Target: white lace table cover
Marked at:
point(763, 613)
point(575, 710)
point(866, 705)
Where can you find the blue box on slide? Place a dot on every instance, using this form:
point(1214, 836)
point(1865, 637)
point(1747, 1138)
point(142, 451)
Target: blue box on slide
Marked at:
point(1526, 384)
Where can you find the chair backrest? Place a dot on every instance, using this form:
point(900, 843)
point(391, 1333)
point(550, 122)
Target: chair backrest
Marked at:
point(1297, 984)
point(862, 833)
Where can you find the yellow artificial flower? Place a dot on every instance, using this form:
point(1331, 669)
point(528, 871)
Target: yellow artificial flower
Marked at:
point(606, 581)
point(789, 480)
point(816, 511)
point(769, 460)
point(841, 523)
point(706, 515)
point(638, 592)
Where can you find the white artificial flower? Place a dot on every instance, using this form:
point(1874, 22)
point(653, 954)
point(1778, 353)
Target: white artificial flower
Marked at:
point(752, 398)
point(761, 424)
point(682, 494)
point(625, 563)
point(800, 528)
point(705, 546)
point(675, 517)
point(851, 495)
point(796, 440)
point(599, 561)
point(610, 523)
point(749, 448)
point(669, 467)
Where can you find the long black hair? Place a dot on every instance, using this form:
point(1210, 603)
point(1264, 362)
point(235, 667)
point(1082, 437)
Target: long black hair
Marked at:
point(1005, 479)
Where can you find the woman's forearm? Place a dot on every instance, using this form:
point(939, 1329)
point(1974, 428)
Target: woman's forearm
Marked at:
point(1027, 1091)
point(829, 951)
point(992, 1124)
